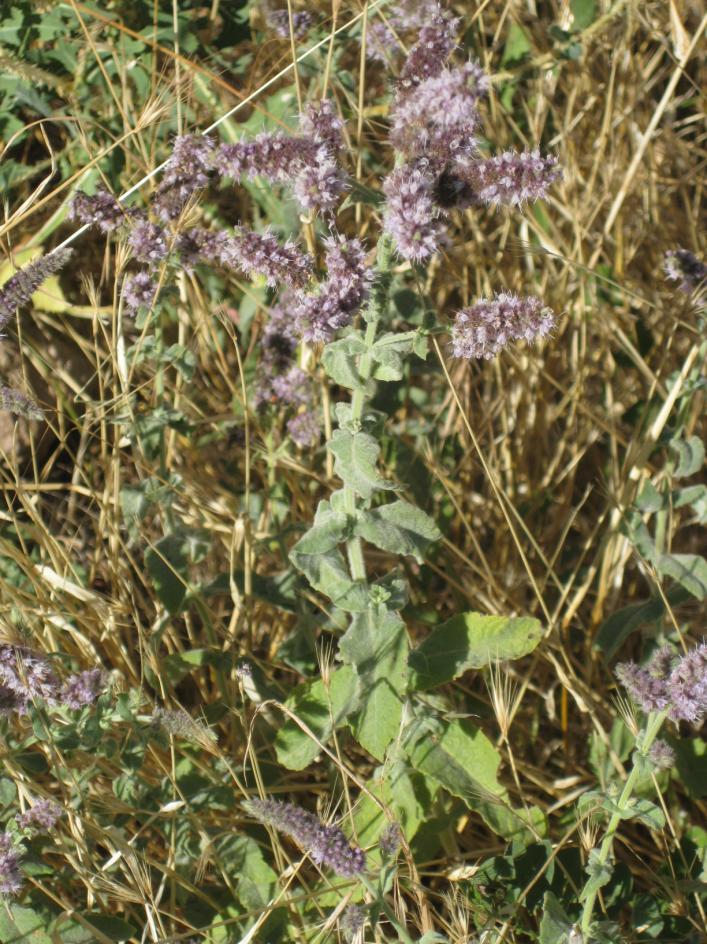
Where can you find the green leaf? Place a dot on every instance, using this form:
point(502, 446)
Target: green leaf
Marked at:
point(376, 646)
point(689, 456)
point(167, 563)
point(584, 12)
point(599, 875)
point(329, 574)
point(388, 352)
point(619, 626)
point(690, 570)
point(115, 929)
point(471, 641)
point(340, 360)
point(646, 812)
point(330, 528)
point(356, 455)
point(696, 497)
point(322, 708)
point(243, 860)
point(23, 925)
point(398, 527)
point(555, 926)
point(517, 45)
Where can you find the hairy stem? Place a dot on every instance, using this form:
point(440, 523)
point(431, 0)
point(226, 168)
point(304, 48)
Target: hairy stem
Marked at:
point(655, 722)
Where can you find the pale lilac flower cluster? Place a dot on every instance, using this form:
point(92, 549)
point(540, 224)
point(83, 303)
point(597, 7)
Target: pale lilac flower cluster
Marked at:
point(434, 121)
point(13, 401)
point(332, 306)
point(100, 209)
point(148, 242)
point(186, 173)
point(352, 921)
point(279, 22)
point(83, 688)
point(381, 42)
point(21, 286)
point(390, 840)
point(326, 845)
point(484, 329)
point(307, 162)
point(668, 682)
point(510, 178)
point(435, 44)
point(684, 267)
point(305, 429)
point(412, 215)
point(139, 290)
point(27, 676)
point(41, 817)
point(10, 856)
point(661, 755)
point(24, 677)
point(245, 250)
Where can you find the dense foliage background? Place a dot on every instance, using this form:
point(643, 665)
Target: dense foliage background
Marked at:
point(146, 519)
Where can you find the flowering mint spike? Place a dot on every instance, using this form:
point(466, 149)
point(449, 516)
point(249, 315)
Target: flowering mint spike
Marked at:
point(326, 845)
point(21, 286)
point(305, 429)
point(484, 329)
point(187, 171)
point(275, 156)
point(254, 253)
point(332, 307)
point(439, 118)
point(661, 754)
point(279, 22)
point(320, 183)
point(13, 401)
point(321, 123)
point(684, 267)
point(10, 875)
point(24, 676)
point(139, 291)
point(41, 817)
point(687, 686)
point(83, 688)
point(411, 215)
point(434, 46)
point(148, 242)
point(510, 178)
point(101, 210)
point(648, 686)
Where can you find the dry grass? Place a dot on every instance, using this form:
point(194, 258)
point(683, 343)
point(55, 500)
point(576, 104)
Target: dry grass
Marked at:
point(531, 458)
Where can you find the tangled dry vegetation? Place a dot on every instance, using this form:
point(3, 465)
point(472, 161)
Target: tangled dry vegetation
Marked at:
point(527, 462)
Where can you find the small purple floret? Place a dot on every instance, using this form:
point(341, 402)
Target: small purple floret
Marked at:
point(10, 875)
point(41, 817)
point(488, 326)
point(83, 688)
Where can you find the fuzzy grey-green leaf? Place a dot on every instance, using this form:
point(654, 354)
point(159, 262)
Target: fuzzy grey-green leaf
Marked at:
point(355, 457)
point(398, 527)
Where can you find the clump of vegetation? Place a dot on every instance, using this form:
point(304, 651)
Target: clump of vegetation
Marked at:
point(352, 473)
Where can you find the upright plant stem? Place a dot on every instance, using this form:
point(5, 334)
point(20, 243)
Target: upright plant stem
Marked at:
point(655, 722)
point(373, 315)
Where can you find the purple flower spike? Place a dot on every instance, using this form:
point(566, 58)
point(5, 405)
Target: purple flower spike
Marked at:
point(186, 172)
point(101, 210)
point(320, 184)
point(139, 291)
point(434, 46)
point(411, 215)
point(321, 123)
point(261, 254)
point(305, 429)
point(320, 315)
point(326, 845)
point(439, 117)
point(684, 267)
point(24, 677)
point(661, 755)
point(14, 401)
point(274, 156)
point(279, 22)
point(648, 686)
point(21, 286)
point(10, 875)
point(510, 178)
point(148, 242)
point(41, 817)
point(484, 329)
point(83, 689)
point(687, 686)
